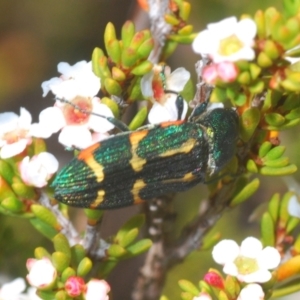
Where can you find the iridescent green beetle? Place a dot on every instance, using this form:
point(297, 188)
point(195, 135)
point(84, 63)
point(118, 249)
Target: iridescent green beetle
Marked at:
point(131, 167)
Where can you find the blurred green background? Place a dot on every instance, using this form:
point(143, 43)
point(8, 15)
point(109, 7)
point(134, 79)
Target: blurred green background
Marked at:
point(35, 35)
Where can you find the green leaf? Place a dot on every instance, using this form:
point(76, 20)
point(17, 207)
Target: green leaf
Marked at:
point(138, 119)
point(109, 34)
point(274, 119)
point(106, 267)
point(45, 229)
point(283, 211)
point(274, 153)
point(96, 55)
point(293, 222)
point(251, 166)
point(68, 272)
point(116, 251)
point(61, 244)
point(139, 247)
point(267, 230)
point(248, 122)
point(142, 68)
point(84, 267)
point(12, 204)
point(277, 163)
point(60, 261)
point(6, 171)
point(45, 215)
point(129, 237)
point(273, 207)
point(264, 149)
point(189, 287)
point(46, 295)
point(136, 221)
point(270, 171)
point(41, 252)
point(78, 254)
point(127, 33)
point(245, 193)
point(112, 87)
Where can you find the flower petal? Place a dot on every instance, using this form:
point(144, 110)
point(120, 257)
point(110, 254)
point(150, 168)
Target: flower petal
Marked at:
point(252, 292)
point(251, 247)
point(260, 276)
point(99, 124)
point(25, 118)
point(246, 25)
point(10, 150)
point(146, 84)
point(8, 122)
point(269, 258)
point(49, 162)
point(41, 272)
point(158, 114)
point(225, 251)
point(178, 79)
point(40, 131)
point(97, 290)
point(46, 85)
point(230, 268)
point(294, 207)
point(75, 136)
point(47, 117)
point(13, 289)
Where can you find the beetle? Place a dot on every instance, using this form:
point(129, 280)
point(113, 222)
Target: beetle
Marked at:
point(134, 166)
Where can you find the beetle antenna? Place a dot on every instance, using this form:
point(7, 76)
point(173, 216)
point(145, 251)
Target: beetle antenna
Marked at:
point(119, 124)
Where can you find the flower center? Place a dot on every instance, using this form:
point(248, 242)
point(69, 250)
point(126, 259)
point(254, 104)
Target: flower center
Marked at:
point(14, 136)
point(230, 45)
point(246, 265)
point(78, 115)
point(158, 87)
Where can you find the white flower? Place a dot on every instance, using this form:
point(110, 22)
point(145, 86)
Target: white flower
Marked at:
point(251, 291)
point(249, 262)
point(79, 86)
point(15, 132)
point(97, 290)
point(39, 169)
point(41, 272)
point(227, 40)
point(12, 290)
point(203, 296)
point(162, 86)
point(75, 125)
point(294, 207)
point(77, 80)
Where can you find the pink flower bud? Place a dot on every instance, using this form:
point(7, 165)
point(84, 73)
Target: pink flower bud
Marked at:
point(214, 280)
point(75, 286)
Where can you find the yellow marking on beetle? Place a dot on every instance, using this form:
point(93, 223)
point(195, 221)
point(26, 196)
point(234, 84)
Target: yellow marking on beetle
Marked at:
point(210, 132)
point(97, 168)
point(187, 177)
point(184, 148)
point(137, 187)
point(98, 200)
point(137, 162)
